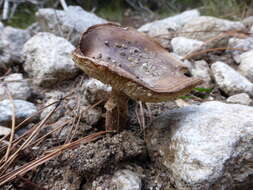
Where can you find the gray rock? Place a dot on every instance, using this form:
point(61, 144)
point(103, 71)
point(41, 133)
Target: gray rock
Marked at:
point(251, 30)
point(4, 131)
point(94, 90)
point(4, 58)
point(48, 59)
point(248, 21)
point(229, 80)
point(211, 25)
point(90, 115)
point(2, 46)
point(246, 64)
point(242, 98)
point(69, 24)
point(13, 40)
point(186, 63)
point(245, 44)
point(183, 46)
point(23, 109)
point(205, 147)
point(52, 97)
point(1, 27)
point(64, 132)
point(34, 28)
point(200, 69)
point(17, 86)
point(169, 24)
point(126, 180)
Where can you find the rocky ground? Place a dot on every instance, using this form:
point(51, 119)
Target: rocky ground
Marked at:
point(200, 141)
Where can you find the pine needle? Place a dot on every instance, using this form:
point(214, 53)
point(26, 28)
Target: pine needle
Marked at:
point(54, 153)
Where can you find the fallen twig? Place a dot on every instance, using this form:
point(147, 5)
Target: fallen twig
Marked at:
point(27, 119)
point(64, 5)
point(12, 125)
point(29, 184)
point(80, 114)
point(189, 56)
point(35, 143)
point(7, 163)
point(6, 9)
point(77, 116)
point(142, 116)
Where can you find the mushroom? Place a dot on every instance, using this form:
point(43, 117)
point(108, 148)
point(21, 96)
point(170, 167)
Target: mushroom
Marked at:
point(135, 66)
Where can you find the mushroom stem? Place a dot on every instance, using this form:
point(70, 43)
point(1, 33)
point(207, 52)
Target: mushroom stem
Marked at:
point(116, 111)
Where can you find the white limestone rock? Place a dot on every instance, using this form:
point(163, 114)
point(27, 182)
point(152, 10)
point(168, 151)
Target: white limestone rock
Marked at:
point(90, 115)
point(248, 21)
point(23, 109)
point(70, 23)
point(242, 98)
point(17, 86)
point(251, 29)
point(242, 45)
point(229, 80)
point(183, 46)
point(200, 69)
point(94, 90)
point(12, 41)
point(204, 28)
point(4, 131)
point(246, 64)
point(126, 180)
point(48, 59)
point(207, 146)
point(165, 26)
point(52, 97)
point(1, 26)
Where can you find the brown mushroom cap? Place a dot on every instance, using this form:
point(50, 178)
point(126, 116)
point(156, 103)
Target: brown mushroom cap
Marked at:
point(133, 63)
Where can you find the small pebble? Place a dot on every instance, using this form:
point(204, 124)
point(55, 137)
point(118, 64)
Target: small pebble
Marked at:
point(136, 50)
point(127, 180)
point(130, 59)
point(124, 46)
point(122, 53)
point(241, 98)
point(136, 61)
point(99, 56)
point(118, 45)
point(23, 108)
point(106, 43)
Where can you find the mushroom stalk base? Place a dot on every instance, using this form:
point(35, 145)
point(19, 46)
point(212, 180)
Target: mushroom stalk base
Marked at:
point(116, 111)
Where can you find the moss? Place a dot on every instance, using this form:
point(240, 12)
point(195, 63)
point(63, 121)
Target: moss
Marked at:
point(23, 17)
point(112, 11)
point(170, 8)
point(229, 9)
